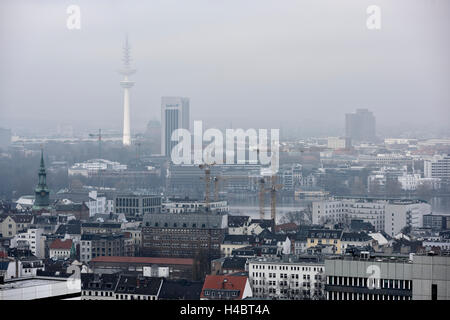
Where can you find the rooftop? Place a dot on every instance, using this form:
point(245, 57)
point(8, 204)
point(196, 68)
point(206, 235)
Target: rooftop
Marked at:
point(61, 244)
point(144, 260)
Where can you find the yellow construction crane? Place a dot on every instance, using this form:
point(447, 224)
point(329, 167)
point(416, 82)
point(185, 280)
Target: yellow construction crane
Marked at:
point(273, 193)
point(262, 191)
point(217, 180)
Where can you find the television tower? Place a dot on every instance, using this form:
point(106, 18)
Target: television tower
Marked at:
point(126, 85)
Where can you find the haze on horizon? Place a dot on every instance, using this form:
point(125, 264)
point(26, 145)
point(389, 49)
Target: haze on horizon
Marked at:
point(252, 63)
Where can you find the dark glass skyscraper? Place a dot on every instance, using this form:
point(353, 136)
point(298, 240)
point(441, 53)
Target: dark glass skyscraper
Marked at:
point(174, 115)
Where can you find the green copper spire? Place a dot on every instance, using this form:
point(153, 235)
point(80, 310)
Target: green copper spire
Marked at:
point(42, 193)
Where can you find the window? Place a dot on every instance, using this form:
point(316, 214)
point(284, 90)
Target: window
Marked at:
point(434, 292)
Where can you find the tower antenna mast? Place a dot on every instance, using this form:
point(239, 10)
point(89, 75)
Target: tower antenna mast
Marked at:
point(126, 84)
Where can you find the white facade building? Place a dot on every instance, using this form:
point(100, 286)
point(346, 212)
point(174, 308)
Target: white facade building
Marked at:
point(286, 279)
point(98, 204)
point(35, 240)
point(377, 212)
point(338, 143)
point(410, 182)
point(437, 167)
point(402, 213)
point(92, 167)
point(181, 205)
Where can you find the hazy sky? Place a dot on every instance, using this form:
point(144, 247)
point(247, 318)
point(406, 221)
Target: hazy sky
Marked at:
point(252, 63)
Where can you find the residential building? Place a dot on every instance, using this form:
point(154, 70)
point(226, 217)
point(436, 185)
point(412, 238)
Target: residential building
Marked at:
point(100, 227)
point(34, 238)
point(355, 239)
point(226, 287)
point(100, 245)
point(61, 249)
point(119, 287)
point(291, 277)
point(11, 224)
point(232, 242)
point(98, 204)
point(180, 290)
point(323, 237)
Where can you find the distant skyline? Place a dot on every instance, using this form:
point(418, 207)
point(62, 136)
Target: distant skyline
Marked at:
point(298, 65)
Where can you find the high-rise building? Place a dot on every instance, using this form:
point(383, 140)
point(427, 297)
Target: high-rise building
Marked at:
point(174, 115)
point(126, 85)
point(360, 126)
point(5, 138)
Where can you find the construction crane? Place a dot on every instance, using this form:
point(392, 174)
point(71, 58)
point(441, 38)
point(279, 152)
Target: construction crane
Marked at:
point(99, 136)
point(216, 181)
point(273, 195)
point(207, 168)
point(216, 188)
point(262, 191)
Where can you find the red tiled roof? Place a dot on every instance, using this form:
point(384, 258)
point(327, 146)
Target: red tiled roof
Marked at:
point(286, 226)
point(220, 282)
point(59, 244)
point(149, 260)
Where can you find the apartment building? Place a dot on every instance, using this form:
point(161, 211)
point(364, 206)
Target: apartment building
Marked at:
point(291, 277)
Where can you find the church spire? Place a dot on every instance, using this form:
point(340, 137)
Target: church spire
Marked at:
point(41, 192)
point(42, 167)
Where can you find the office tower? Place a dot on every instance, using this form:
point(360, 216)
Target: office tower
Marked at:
point(5, 138)
point(174, 115)
point(360, 126)
point(126, 85)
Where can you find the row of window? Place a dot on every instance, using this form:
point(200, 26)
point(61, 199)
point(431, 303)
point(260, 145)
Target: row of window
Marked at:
point(221, 293)
point(364, 282)
point(285, 276)
point(363, 296)
point(116, 296)
point(284, 268)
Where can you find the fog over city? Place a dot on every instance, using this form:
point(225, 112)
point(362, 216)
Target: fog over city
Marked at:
point(205, 152)
point(248, 63)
